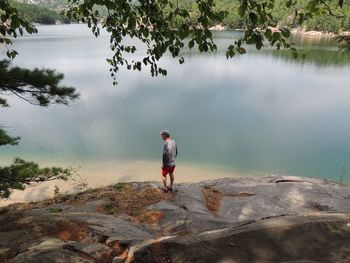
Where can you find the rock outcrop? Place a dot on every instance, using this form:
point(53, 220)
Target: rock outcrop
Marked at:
point(251, 219)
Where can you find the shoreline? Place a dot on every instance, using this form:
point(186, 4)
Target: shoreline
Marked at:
point(296, 31)
point(100, 174)
point(91, 178)
point(219, 27)
point(95, 174)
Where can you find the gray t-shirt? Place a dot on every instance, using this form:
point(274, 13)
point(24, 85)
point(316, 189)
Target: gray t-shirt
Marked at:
point(169, 153)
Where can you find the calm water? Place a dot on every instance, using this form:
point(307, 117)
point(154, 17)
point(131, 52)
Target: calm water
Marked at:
point(259, 113)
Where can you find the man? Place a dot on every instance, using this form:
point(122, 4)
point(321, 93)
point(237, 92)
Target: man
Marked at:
point(169, 157)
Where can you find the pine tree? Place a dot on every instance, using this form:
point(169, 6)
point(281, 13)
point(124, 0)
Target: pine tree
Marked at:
point(39, 87)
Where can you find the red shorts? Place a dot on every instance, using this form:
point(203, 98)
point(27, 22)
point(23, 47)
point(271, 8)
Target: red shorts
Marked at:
point(167, 169)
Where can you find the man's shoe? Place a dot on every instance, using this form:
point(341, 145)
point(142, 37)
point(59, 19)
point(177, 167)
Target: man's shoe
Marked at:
point(170, 189)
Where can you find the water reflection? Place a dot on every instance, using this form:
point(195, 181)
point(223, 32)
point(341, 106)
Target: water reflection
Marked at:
point(261, 112)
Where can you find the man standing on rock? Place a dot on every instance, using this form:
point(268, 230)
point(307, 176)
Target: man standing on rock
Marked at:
point(169, 157)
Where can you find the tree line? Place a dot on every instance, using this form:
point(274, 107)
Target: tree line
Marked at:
point(336, 20)
point(331, 18)
point(39, 14)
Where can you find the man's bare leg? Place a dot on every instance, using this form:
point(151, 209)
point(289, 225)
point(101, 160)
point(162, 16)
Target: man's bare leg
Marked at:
point(164, 181)
point(171, 180)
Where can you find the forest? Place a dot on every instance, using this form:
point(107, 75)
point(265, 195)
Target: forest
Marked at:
point(40, 13)
point(330, 19)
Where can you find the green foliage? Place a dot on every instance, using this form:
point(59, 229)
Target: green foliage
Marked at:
point(5, 139)
point(39, 14)
point(163, 25)
point(168, 25)
point(37, 86)
point(22, 173)
point(40, 87)
point(12, 24)
point(326, 23)
point(344, 42)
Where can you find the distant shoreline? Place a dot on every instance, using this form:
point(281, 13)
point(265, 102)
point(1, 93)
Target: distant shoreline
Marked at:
point(296, 31)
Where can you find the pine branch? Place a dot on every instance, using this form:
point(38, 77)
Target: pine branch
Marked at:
point(38, 86)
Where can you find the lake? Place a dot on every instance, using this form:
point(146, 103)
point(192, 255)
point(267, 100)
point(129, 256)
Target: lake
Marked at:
point(261, 113)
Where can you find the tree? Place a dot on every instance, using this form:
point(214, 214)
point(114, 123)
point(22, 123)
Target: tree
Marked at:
point(38, 87)
point(167, 26)
point(12, 23)
point(38, 13)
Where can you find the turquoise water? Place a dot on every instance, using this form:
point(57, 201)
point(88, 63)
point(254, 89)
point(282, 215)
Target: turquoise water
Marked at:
point(259, 113)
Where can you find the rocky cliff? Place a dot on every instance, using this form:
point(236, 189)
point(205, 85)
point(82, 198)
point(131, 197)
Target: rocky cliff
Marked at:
point(251, 219)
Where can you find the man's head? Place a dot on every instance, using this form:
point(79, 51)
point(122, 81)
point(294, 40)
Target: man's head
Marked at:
point(164, 134)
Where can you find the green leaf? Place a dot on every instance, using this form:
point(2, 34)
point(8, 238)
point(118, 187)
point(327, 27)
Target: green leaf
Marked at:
point(15, 22)
point(242, 8)
point(253, 17)
point(276, 36)
point(259, 45)
point(268, 33)
point(191, 44)
point(295, 54)
point(285, 32)
point(289, 3)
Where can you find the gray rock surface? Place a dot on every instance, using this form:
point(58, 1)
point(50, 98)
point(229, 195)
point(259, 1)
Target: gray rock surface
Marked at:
point(251, 219)
point(297, 238)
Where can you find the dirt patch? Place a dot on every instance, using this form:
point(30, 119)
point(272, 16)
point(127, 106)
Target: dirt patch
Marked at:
point(20, 207)
point(151, 218)
point(118, 247)
point(212, 198)
point(68, 230)
point(123, 197)
point(84, 197)
point(76, 198)
point(132, 202)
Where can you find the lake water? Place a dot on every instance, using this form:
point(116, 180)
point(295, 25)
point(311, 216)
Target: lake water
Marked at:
point(261, 113)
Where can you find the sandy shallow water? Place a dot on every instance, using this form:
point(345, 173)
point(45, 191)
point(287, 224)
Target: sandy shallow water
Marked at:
point(102, 173)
